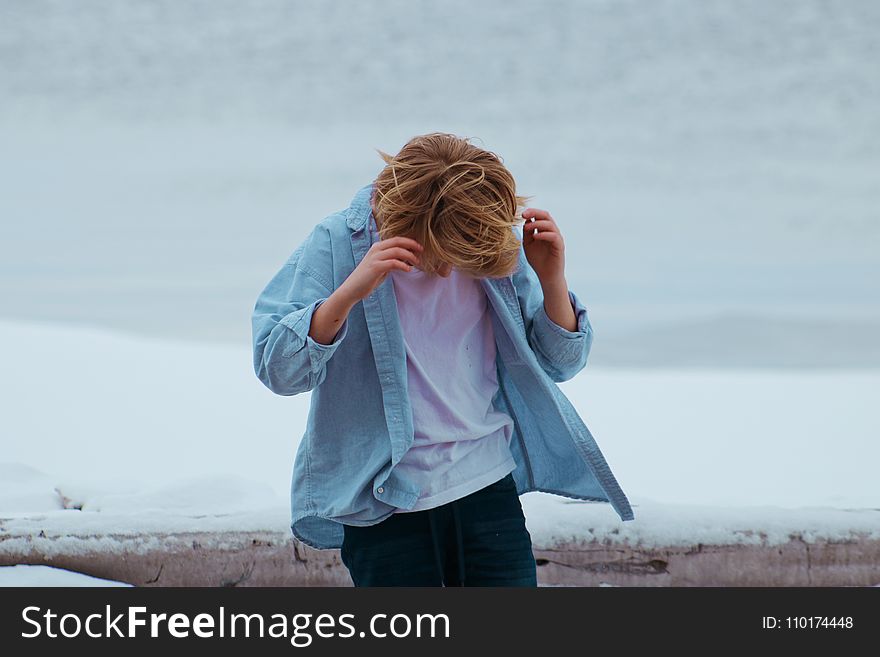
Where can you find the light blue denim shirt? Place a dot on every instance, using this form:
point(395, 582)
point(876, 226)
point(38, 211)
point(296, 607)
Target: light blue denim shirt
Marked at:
point(360, 421)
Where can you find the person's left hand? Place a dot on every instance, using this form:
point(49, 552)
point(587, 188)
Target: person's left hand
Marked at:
point(545, 250)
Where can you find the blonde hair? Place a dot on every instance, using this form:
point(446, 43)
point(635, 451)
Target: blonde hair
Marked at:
point(457, 200)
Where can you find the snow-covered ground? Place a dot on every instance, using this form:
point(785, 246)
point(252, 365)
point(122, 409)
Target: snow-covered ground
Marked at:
point(24, 575)
point(122, 423)
point(107, 433)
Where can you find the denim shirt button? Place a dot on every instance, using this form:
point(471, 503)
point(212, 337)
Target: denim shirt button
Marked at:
point(380, 490)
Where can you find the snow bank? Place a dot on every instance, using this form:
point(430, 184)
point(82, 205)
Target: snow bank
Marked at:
point(153, 449)
point(125, 415)
point(24, 575)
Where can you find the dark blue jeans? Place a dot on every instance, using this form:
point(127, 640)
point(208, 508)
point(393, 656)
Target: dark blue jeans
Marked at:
point(477, 540)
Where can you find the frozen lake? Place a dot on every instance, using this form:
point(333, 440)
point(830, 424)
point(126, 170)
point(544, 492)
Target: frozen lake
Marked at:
point(714, 168)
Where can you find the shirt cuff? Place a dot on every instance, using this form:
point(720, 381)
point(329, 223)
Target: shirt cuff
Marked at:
point(300, 322)
point(557, 339)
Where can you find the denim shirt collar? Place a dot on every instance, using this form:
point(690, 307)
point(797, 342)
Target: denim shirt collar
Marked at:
point(359, 211)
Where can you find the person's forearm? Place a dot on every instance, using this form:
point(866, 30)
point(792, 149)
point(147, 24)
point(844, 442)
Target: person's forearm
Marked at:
point(557, 304)
point(330, 315)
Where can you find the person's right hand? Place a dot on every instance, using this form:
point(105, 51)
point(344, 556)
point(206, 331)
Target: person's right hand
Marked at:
point(383, 256)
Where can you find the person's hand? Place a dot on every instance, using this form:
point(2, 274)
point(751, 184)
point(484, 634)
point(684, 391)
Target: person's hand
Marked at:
point(383, 256)
point(545, 250)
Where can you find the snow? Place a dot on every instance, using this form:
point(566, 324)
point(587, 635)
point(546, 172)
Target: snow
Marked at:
point(24, 488)
point(24, 575)
point(553, 520)
point(122, 422)
point(108, 412)
point(108, 436)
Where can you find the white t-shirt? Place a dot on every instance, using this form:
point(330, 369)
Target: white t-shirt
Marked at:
point(461, 443)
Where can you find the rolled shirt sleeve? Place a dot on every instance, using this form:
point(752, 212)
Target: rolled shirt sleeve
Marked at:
point(564, 353)
point(300, 321)
point(560, 353)
point(286, 358)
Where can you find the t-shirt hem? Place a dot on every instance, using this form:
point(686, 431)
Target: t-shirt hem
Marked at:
point(465, 488)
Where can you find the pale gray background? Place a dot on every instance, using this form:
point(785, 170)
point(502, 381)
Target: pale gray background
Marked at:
point(714, 166)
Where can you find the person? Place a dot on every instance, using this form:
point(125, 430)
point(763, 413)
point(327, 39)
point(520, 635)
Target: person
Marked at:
point(431, 337)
